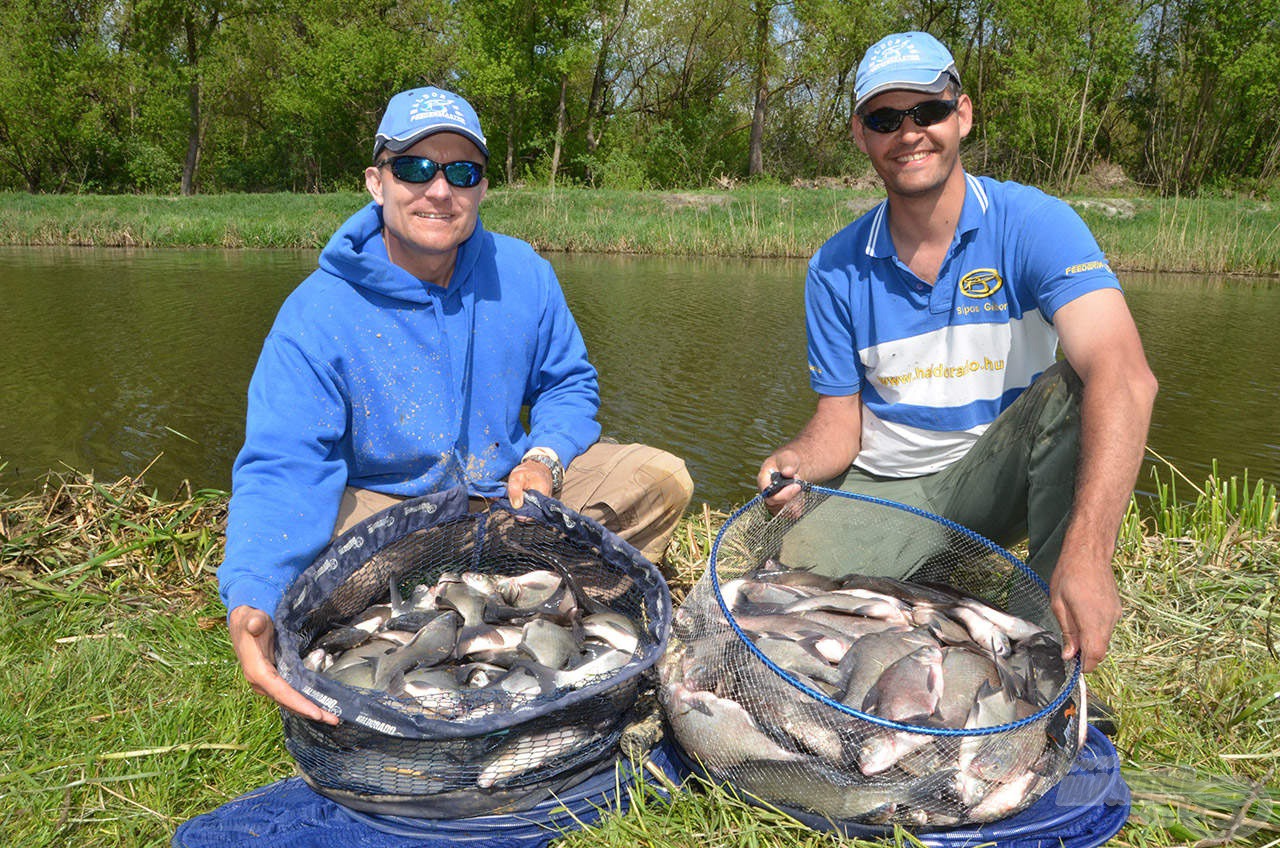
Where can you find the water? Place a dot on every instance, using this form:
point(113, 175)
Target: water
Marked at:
point(119, 360)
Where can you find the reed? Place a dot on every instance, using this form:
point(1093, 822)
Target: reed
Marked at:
point(123, 713)
point(1201, 235)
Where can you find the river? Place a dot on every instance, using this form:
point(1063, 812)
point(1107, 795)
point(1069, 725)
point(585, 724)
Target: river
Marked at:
point(117, 361)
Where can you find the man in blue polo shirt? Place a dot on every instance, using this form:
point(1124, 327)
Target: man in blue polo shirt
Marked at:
point(933, 325)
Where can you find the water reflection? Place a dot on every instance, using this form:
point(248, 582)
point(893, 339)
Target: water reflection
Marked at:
point(115, 357)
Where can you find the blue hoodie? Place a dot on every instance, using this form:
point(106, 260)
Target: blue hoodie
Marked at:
point(372, 378)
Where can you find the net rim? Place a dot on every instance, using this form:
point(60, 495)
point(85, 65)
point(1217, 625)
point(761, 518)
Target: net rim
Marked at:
point(1067, 689)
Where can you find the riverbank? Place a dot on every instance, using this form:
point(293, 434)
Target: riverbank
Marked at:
point(1138, 232)
point(123, 713)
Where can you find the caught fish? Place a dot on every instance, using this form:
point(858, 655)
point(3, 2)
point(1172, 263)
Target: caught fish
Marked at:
point(718, 730)
point(433, 644)
point(919, 655)
point(530, 752)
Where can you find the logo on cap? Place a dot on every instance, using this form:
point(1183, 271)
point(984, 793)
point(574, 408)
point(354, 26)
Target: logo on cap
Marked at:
point(891, 51)
point(436, 105)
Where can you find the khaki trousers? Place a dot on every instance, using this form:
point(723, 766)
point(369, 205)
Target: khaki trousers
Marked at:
point(636, 491)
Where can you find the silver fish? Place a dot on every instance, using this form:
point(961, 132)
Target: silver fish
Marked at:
point(719, 731)
point(881, 608)
point(433, 644)
point(531, 752)
point(800, 658)
point(910, 689)
point(965, 672)
point(486, 642)
point(456, 595)
point(870, 656)
point(614, 629)
point(548, 643)
point(595, 667)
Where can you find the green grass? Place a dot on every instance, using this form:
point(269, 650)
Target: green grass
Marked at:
point(1208, 235)
point(123, 713)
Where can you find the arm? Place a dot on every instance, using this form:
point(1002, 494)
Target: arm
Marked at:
point(1102, 344)
point(825, 447)
point(287, 483)
point(562, 391)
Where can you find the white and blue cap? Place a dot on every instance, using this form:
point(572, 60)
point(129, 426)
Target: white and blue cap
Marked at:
point(419, 112)
point(914, 61)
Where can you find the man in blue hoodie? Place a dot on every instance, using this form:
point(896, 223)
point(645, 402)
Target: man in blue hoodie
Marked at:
point(401, 366)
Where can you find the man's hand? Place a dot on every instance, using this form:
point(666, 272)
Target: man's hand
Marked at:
point(824, 448)
point(252, 638)
point(785, 462)
point(528, 475)
point(1086, 602)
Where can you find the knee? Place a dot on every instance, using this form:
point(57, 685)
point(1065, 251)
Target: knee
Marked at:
point(667, 478)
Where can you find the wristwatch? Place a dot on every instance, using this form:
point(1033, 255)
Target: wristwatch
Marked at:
point(552, 462)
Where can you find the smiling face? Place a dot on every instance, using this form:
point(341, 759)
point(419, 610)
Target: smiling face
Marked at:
point(423, 223)
point(914, 161)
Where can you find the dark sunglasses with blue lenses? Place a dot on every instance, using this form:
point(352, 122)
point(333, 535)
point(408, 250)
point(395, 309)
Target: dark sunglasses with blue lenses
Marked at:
point(926, 114)
point(420, 169)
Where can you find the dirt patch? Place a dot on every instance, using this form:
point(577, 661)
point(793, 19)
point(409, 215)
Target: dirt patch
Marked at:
point(1106, 176)
point(1111, 208)
point(678, 200)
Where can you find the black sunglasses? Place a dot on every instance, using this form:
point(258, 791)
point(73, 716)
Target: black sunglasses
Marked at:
point(926, 114)
point(420, 169)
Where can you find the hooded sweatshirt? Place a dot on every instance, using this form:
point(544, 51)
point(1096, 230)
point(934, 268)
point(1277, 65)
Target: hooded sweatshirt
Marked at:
point(374, 379)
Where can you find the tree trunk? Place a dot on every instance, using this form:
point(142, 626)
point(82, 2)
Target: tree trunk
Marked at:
point(755, 148)
point(595, 103)
point(561, 111)
point(192, 160)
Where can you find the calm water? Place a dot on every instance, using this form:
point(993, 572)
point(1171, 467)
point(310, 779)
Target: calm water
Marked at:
point(113, 358)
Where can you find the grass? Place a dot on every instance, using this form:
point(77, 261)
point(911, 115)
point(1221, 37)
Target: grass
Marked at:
point(1205, 235)
point(123, 713)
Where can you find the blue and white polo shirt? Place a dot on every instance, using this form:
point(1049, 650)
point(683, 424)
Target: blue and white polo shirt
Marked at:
point(937, 363)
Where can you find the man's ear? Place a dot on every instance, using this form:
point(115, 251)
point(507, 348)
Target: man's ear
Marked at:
point(859, 133)
point(964, 112)
point(373, 182)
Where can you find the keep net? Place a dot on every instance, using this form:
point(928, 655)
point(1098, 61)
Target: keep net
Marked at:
point(765, 686)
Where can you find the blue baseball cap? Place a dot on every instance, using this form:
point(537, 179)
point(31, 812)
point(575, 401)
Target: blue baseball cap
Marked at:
point(914, 61)
point(419, 112)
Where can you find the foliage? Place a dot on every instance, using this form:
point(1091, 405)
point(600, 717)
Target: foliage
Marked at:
point(266, 95)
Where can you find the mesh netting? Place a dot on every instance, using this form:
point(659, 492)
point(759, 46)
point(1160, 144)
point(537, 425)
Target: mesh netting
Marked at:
point(473, 746)
point(868, 662)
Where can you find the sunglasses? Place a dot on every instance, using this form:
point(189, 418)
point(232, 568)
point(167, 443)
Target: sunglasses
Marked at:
point(926, 114)
point(420, 169)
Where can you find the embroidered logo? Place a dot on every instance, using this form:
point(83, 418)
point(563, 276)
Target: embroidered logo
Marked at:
point(981, 282)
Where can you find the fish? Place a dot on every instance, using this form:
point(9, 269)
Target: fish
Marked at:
point(613, 629)
point(524, 634)
point(850, 604)
point(965, 672)
point(548, 643)
point(869, 657)
point(918, 654)
point(455, 594)
point(531, 751)
point(591, 667)
point(800, 657)
point(489, 643)
point(910, 689)
point(884, 747)
point(433, 644)
point(719, 730)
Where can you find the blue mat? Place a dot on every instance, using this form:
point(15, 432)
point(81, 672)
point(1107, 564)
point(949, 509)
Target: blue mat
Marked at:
point(289, 814)
point(1084, 810)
